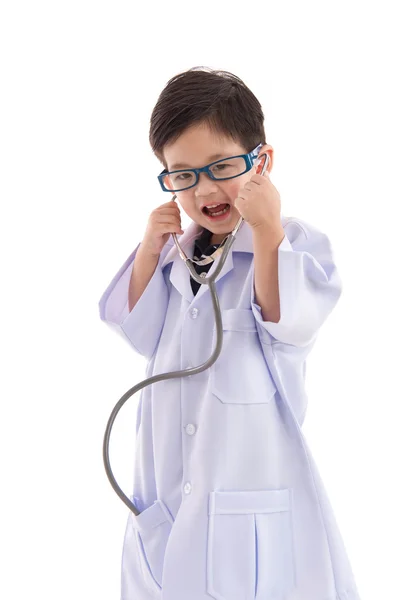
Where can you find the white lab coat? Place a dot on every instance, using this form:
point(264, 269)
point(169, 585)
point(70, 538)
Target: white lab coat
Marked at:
point(233, 507)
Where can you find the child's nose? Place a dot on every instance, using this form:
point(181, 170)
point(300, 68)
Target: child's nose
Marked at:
point(205, 185)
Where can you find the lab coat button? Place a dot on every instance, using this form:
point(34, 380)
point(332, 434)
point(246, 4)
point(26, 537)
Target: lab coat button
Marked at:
point(190, 429)
point(187, 488)
point(194, 313)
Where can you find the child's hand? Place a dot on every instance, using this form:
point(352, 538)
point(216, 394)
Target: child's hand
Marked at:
point(163, 221)
point(259, 202)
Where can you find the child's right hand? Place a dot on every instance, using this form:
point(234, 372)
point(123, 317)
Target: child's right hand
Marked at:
point(163, 221)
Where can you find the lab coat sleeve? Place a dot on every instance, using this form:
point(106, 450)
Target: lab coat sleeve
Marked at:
point(309, 287)
point(141, 326)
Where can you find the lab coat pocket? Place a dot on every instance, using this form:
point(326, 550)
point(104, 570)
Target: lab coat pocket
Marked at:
point(250, 551)
point(240, 374)
point(152, 529)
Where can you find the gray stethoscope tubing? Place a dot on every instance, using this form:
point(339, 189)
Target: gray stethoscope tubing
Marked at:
point(210, 281)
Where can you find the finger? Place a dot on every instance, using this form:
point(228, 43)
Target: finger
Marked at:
point(239, 200)
point(259, 179)
point(167, 219)
point(170, 203)
point(170, 228)
point(242, 193)
point(168, 211)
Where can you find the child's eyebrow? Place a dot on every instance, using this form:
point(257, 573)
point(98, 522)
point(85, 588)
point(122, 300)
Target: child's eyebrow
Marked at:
point(210, 160)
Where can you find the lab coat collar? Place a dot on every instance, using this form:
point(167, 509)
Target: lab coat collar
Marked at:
point(179, 275)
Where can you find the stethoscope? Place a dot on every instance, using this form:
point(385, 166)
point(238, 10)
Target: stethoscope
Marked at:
point(210, 281)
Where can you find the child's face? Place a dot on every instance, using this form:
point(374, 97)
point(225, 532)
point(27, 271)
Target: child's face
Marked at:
point(195, 148)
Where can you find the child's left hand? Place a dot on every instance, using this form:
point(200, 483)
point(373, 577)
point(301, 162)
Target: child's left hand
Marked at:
point(259, 202)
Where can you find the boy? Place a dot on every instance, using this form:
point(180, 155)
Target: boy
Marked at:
point(231, 503)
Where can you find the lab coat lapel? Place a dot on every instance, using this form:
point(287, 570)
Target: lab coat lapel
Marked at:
point(179, 275)
point(228, 266)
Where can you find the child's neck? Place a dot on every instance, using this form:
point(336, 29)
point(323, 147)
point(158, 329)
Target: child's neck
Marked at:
point(217, 238)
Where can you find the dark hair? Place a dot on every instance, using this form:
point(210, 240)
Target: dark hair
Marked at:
point(203, 95)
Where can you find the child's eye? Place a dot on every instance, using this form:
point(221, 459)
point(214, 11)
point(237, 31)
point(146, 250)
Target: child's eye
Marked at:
point(220, 167)
point(225, 169)
point(182, 176)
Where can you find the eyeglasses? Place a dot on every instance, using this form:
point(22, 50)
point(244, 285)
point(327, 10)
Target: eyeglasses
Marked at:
point(226, 168)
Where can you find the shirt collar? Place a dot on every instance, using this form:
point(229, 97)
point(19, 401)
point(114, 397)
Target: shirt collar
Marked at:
point(203, 244)
point(195, 233)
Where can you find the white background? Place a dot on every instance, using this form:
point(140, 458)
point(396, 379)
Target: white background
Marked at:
point(78, 82)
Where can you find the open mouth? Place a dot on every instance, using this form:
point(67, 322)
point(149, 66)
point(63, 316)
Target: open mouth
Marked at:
point(217, 211)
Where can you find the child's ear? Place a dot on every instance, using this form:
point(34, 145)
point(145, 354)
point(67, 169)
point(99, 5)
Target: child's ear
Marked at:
point(258, 165)
point(263, 158)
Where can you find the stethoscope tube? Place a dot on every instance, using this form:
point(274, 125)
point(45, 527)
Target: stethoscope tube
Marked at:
point(210, 281)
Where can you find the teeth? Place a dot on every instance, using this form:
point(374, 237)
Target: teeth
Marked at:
point(212, 205)
point(220, 212)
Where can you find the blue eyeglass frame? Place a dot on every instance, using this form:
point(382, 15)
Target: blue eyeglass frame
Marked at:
point(249, 158)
